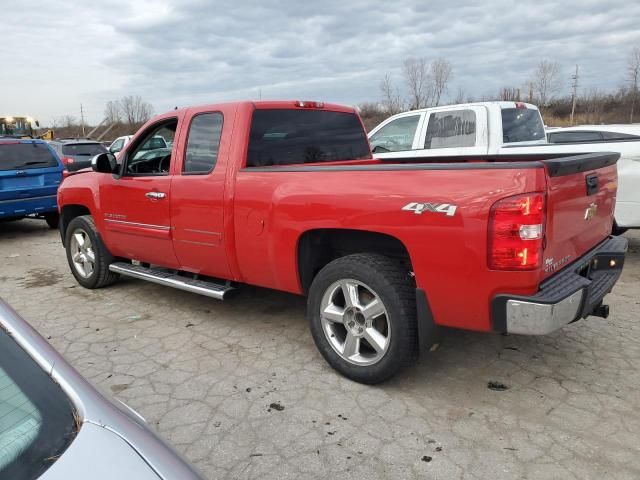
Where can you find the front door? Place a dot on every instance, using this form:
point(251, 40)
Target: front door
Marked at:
point(136, 204)
point(198, 187)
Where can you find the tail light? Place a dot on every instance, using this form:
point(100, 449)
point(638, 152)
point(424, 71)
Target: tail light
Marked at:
point(67, 160)
point(516, 230)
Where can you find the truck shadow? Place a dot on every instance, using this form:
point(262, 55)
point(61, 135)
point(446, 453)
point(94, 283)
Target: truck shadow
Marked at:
point(27, 228)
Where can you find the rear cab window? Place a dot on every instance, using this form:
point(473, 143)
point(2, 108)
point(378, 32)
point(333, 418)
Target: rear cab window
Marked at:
point(36, 418)
point(451, 129)
point(21, 156)
point(521, 124)
point(290, 137)
point(83, 149)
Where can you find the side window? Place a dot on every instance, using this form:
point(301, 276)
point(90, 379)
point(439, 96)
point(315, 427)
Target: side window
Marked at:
point(452, 129)
point(151, 154)
point(203, 143)
point(117, 146)
point(396, 136)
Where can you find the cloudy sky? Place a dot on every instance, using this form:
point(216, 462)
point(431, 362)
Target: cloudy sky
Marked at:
point(56, 55)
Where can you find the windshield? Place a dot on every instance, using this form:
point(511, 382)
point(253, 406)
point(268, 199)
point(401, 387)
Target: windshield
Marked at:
point(18, 156)
point(83, 149)
point(15, 126)
point(36, 418)
point(287, 137)
point(522, 125)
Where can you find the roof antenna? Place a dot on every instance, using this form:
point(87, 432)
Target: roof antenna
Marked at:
point(175, 108)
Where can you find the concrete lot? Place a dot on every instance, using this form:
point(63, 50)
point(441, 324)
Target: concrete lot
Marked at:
point(240, 389)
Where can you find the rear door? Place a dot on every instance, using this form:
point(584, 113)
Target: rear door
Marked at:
point(581, 196)
point(197, 190)
point(28, 171)
point(136, 204)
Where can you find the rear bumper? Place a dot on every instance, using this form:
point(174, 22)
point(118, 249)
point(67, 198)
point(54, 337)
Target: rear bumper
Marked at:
point(573, 293)
point(28, 206)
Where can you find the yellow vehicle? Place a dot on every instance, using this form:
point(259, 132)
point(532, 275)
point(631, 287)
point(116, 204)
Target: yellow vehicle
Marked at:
point(21, 127)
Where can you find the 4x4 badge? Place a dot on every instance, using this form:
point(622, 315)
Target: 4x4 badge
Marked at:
point(418, 208)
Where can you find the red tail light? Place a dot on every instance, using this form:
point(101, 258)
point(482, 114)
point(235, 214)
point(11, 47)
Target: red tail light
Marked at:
point(66, 160)
point(516, 230)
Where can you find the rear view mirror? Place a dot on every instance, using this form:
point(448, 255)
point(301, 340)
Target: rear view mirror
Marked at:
point(104, 163)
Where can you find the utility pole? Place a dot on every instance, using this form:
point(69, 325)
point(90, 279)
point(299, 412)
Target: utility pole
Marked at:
point(574, 95)
point(82, 119)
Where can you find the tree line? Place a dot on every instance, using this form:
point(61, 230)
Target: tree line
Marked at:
point(424, 84)
point(123, 116)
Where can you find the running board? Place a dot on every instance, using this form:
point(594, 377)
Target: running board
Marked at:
point(168, 278)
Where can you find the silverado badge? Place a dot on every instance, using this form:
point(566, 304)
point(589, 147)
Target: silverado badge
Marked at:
point(590, 212)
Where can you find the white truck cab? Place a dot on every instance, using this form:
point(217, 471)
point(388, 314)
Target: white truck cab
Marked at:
point(453, 130)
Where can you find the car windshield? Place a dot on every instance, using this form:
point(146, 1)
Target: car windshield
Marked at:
point(83, 149)
point(19, 156)
point(521, 125)
point(36, 418)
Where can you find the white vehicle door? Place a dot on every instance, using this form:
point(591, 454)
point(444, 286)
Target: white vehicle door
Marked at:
point(397, 137)
point(448, 132)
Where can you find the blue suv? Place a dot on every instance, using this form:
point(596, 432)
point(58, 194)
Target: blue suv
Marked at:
point(30, 173)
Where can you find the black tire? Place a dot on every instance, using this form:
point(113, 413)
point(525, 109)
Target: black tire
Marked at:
point(101, 276)
point(395, 288)
point(52, 219)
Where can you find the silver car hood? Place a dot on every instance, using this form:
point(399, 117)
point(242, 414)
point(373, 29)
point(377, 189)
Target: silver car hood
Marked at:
point(99, 454)
point(95, 410)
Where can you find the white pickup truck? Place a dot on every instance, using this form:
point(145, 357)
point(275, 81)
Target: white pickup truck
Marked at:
point(500, 129)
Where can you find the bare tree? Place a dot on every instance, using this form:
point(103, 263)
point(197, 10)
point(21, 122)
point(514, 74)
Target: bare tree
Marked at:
point(113, 111)
point(546, 81)
point(441, 71)
point(135, 111)
point(459, 96)
point(510, 94)
point(391, 100)
point(594, 102)
point(417, 77)
point(633, 74)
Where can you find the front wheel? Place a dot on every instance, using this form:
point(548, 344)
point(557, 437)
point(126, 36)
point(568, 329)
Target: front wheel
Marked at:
point(362, 315)
point(88, 258)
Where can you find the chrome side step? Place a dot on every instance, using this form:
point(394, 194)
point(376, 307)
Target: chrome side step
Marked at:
point(166, 277)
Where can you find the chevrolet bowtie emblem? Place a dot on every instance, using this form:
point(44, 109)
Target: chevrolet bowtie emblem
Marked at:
point(590, 212)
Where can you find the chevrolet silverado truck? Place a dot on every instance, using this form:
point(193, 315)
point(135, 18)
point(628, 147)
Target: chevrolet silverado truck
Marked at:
point(502, 129)
point(286, 195)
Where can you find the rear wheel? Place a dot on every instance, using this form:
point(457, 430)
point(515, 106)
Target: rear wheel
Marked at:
point(616, 230)
point(52, 219)
point(88, 258)
point(362, 314)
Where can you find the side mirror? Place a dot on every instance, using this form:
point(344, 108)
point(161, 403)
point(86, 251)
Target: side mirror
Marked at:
point(104, 163)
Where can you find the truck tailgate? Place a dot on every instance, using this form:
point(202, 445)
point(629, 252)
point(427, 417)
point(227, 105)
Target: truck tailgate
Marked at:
point(581, 196)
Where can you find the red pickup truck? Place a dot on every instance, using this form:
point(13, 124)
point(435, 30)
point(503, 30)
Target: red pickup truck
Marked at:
point(286, 195)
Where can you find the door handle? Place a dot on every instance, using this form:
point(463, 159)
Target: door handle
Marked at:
point(155, 195)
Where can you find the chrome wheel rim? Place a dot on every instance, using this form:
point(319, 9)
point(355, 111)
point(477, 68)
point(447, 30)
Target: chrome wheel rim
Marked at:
point(82, 254)
point(355, 322)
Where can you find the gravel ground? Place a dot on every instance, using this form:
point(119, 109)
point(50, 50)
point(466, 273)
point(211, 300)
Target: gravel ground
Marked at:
point(240, 389)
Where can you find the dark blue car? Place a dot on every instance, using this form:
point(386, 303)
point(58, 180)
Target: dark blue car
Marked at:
point(30, 173)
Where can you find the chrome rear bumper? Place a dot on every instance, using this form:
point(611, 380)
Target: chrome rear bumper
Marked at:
point(573, 293)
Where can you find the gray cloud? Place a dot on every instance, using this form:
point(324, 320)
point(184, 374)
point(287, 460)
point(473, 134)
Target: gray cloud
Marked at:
point(197, 51)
